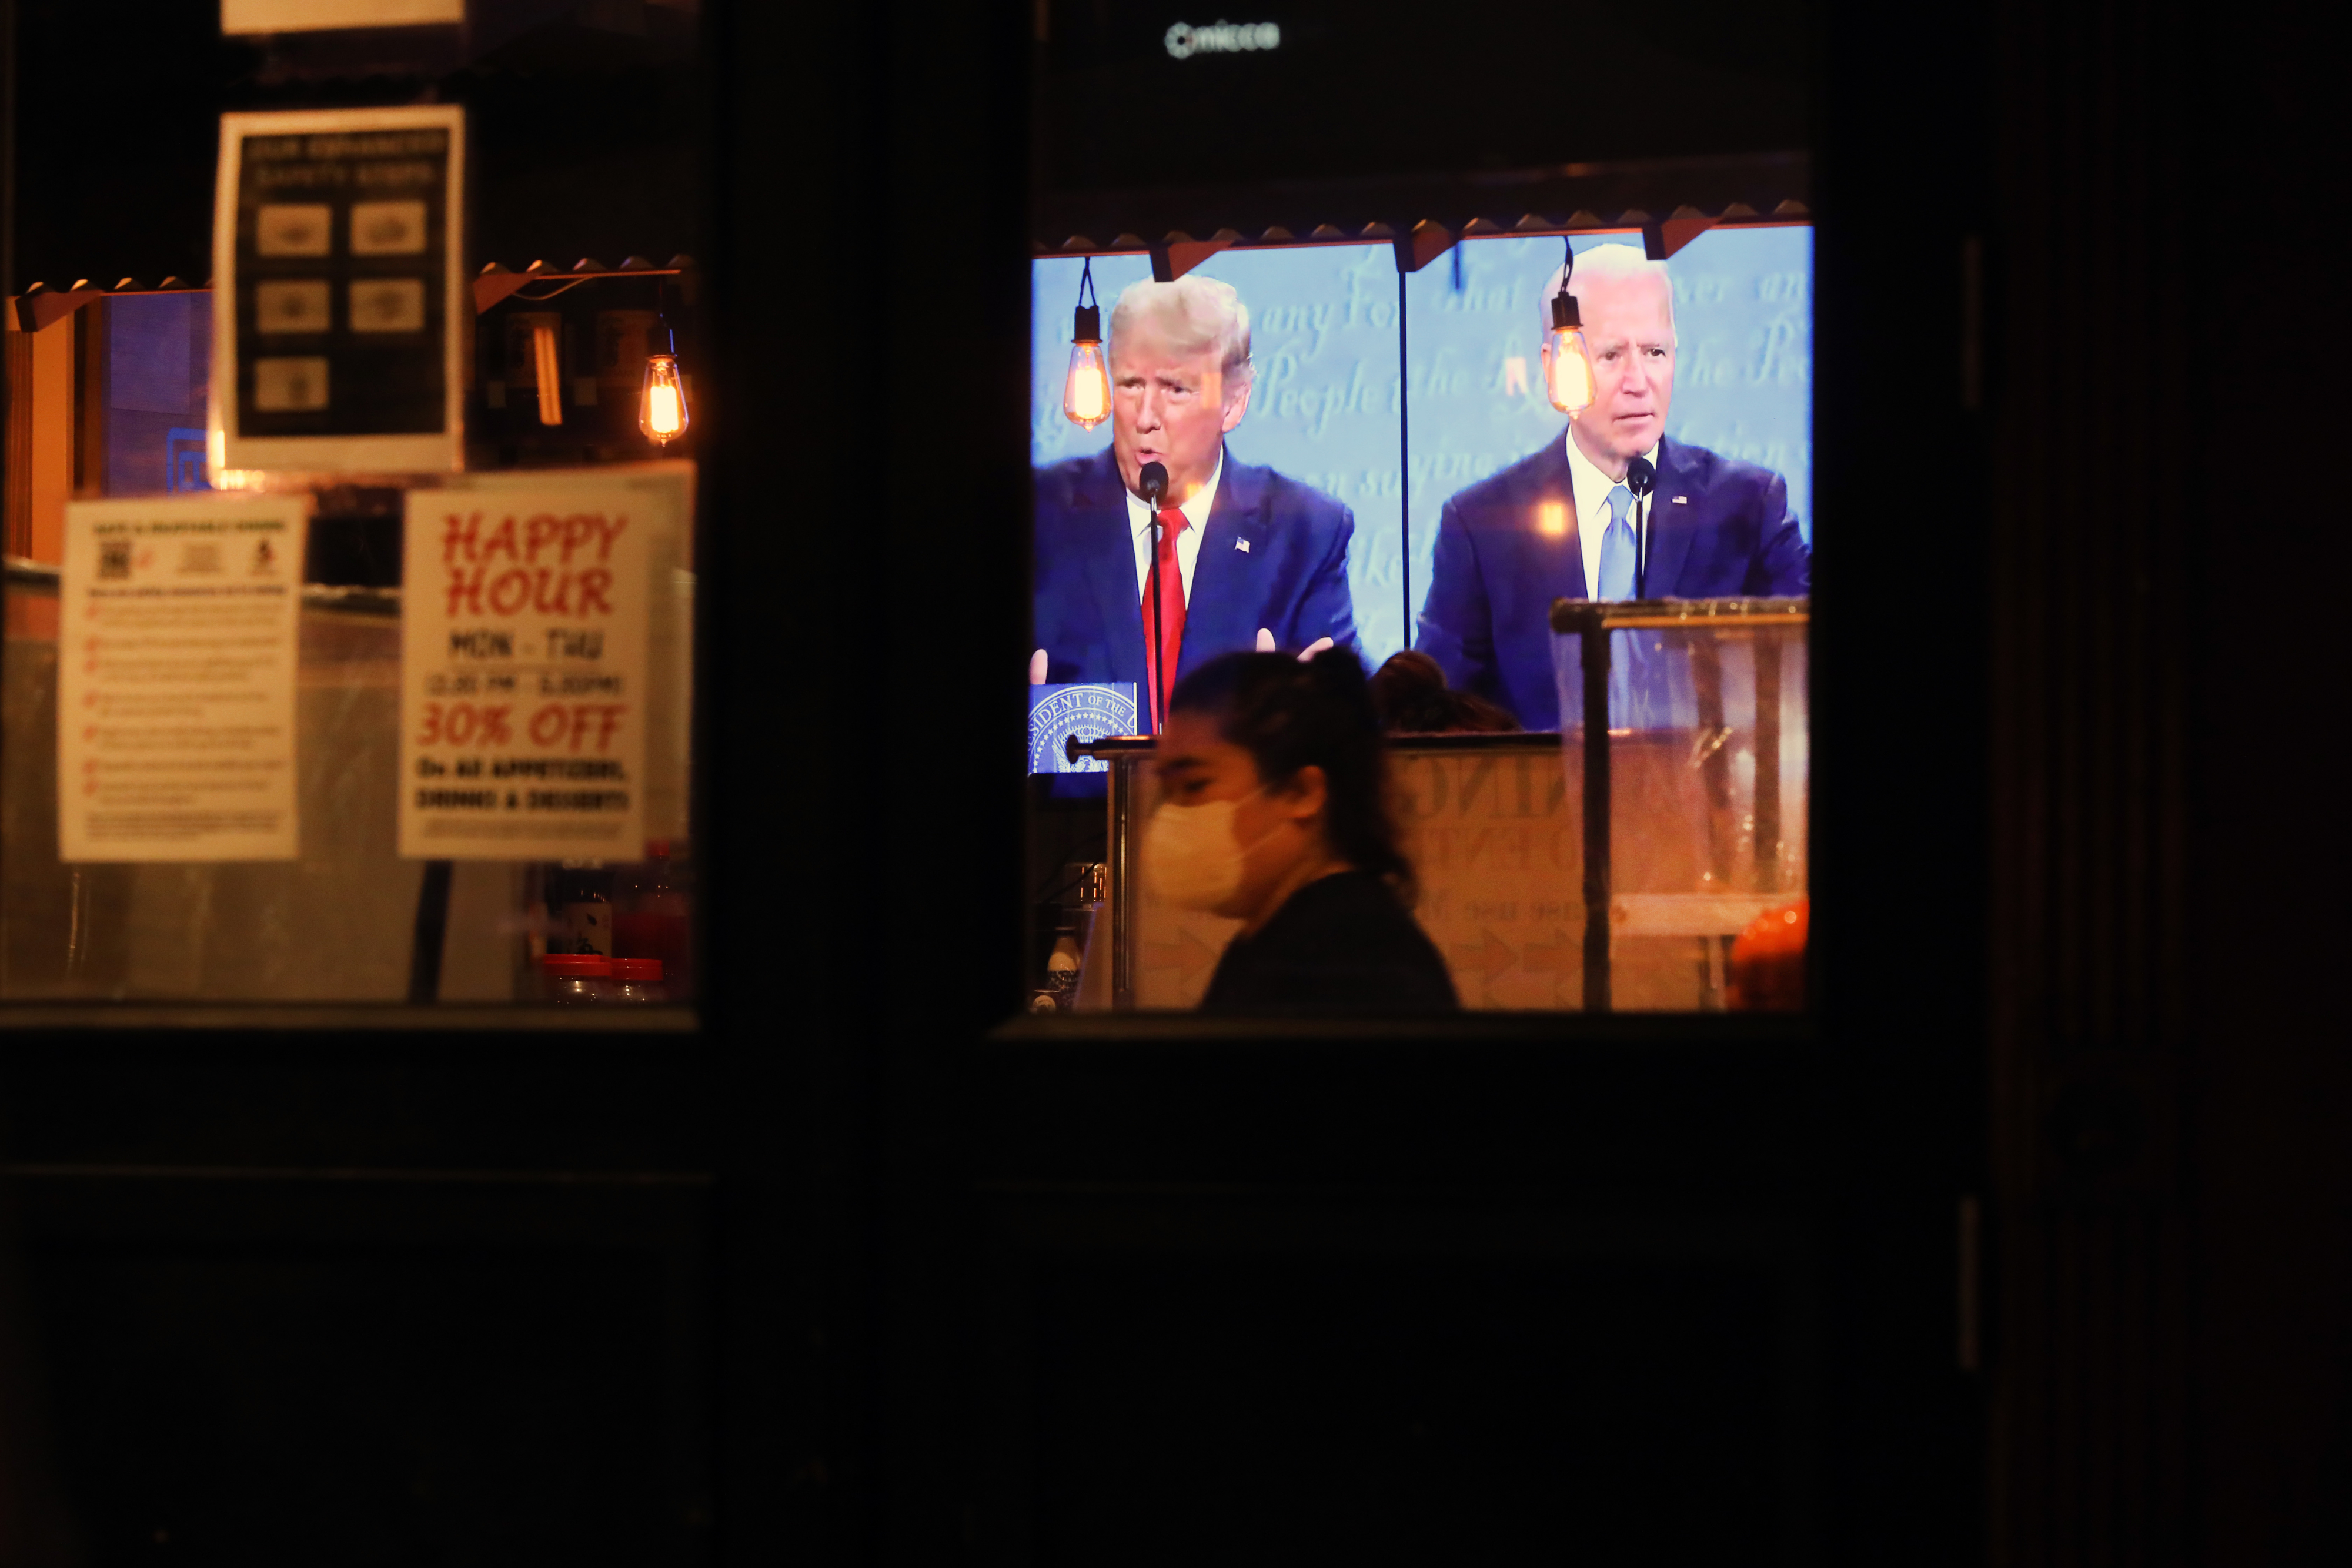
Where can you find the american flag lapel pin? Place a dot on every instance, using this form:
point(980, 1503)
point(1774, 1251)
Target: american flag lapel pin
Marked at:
point(1241, 545)
point(1681, 500)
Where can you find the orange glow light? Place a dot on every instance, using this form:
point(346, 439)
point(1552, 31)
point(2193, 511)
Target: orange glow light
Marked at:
point(547, 365)
point(662, 413)
point(1568, 371)
point(1085, 391)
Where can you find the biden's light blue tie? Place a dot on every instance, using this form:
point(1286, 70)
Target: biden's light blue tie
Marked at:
point(1617, 549)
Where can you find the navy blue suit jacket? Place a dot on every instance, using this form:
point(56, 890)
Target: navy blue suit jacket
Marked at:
point(1273, 555)
point(1719, 528)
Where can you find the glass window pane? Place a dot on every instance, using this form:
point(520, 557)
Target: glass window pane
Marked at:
point(1676, 483)
point(349, 919)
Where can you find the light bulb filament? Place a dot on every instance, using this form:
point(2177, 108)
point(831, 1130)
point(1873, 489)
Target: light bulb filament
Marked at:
point(661, 411)
point(547, 365)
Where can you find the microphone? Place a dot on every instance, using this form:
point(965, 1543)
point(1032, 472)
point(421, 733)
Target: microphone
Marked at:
point(1153, 478)
point(1641, 477)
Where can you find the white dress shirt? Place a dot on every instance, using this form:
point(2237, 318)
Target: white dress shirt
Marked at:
point(1593, 488)
point(1188, 542)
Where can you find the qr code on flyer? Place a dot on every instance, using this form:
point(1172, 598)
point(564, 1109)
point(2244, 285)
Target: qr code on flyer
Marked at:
point(114, 558)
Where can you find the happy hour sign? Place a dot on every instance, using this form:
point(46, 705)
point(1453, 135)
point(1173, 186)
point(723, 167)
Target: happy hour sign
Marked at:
point(524, 703)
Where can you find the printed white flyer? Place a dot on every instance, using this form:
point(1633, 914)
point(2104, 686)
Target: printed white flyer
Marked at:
point(177, 651)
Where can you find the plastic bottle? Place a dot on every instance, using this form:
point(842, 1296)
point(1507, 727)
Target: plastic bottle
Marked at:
point(1062, 973)
point(580, 908)
point(578, 979)
point(637, 981)
point(653, 905)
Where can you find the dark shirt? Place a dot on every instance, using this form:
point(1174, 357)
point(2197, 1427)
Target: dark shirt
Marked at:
point(1342, 945)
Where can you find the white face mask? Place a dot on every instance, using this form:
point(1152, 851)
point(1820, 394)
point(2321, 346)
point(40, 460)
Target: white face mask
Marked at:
point(1190, 856)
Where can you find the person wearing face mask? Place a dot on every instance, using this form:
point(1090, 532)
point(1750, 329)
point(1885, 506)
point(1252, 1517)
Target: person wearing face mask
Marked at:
point(1273, 812)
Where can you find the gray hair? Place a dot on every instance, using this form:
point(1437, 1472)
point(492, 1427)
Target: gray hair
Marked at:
point(1610, 261)
point(1195, 313)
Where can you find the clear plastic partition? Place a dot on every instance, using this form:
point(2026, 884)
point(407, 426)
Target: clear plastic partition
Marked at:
point(1663, 868)
point(1699, 771)
point(335, 924)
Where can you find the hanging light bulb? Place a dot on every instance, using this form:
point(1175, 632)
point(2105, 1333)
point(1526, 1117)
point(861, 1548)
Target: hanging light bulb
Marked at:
point(1567, 367)
point(661, 412)
point(1085, 391)
point(661, 408)
point(1086, 395)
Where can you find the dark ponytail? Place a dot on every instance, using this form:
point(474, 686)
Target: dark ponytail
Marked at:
point(1288, 716)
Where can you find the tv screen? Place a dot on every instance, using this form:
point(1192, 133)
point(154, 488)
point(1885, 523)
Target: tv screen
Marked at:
point(1376, 458)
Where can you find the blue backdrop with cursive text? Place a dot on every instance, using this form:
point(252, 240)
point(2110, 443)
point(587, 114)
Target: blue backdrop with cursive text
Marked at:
point(1328, 407)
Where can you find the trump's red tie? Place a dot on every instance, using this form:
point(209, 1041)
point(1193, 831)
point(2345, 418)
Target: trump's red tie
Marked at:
point(1171, 619)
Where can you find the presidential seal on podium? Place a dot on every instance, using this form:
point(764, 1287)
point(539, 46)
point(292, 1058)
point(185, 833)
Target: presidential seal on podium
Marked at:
point(1089, 712)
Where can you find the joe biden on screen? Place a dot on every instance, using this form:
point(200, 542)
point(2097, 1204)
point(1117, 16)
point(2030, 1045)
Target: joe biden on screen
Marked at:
point(1540, 529)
